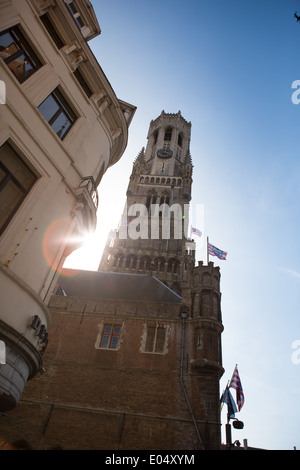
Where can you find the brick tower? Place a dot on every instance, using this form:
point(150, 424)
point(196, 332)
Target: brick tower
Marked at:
point(161, 182)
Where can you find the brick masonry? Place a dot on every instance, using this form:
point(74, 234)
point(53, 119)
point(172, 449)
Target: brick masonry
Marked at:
point(91, 398)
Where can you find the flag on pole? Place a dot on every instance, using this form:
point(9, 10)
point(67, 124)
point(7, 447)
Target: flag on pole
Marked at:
point(237, 385)
point(196, 231)
point(214, 251)
point(228, 399)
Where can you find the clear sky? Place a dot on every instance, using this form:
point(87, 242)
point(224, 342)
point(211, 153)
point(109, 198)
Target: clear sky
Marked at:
point(228, 66)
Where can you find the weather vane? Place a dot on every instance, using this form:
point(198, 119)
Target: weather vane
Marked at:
point(297, 17)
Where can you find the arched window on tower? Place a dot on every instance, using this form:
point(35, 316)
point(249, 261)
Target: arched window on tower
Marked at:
point(145, 263)
point(151, 199)
point(179, 140)
point(168, 134)
point(118, 261)
point(159, 265)
point(131, 262)
point(155, 136)
point(164, 199)
point(173, 265)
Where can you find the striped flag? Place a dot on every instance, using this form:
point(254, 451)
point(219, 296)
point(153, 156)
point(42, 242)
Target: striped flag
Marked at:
point(196, 231)
point(214, 251)
point(237, 385)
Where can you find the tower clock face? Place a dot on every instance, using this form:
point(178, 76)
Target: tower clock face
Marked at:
point(164, 153)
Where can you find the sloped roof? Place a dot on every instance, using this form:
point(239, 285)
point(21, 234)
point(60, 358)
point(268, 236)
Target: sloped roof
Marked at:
point(115, 286)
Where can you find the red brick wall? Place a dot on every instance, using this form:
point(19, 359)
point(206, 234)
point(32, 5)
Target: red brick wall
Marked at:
point(89, 398)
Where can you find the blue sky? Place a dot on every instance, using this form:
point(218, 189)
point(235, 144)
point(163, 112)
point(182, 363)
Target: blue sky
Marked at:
point(228, 66)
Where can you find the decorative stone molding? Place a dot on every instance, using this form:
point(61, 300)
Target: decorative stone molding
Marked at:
point(23, 361)
point(74, 55)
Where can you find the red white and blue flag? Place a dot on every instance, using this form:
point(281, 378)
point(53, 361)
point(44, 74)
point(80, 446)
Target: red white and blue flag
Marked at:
point(237, 385)
point(214, 251)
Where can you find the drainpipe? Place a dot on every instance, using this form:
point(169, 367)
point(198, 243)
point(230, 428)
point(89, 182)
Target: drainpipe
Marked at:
point(183, 317)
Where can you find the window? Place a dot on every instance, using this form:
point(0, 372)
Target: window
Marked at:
point(76, 15)
point(179, 140)
point(58, 113)
point(173, 265)
point(151, 199)
point(110, 337)
point(168, 134)
point(17, 54)
point(83, 83)
point(131, 262)
point(45, 19)
point(156, 339)
point(16, 180)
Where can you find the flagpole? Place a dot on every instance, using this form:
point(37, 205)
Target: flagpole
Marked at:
point(207, 255)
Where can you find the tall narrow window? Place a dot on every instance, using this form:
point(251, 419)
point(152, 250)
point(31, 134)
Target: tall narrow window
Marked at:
point(168, 134)
point(110, 337)
point(45, 19)
point(83, 83)
point(16, 180)
point(74, 12)
point(179, 140)
point(156, 339)
point(17, 53)
point(58, 113)
point(155, 136)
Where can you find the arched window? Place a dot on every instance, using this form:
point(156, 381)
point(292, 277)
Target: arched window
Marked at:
point(155, 135)
point(118, 261)
point(145, 263)
point(159, 265)
point(168, 134)
point(165, 198)
point(179, 141)
point(173, 265)
point(131, 262)
point(151, 199)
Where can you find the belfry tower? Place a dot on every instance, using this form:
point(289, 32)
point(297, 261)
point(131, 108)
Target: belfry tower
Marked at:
point(159, 191)
point(161, 179)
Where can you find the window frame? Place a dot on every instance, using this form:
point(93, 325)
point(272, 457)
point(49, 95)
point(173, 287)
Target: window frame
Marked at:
point(28, 51)
point(63, 108)
point(155, 341)
point(9, 176)
point(168, 134)
point(111, 336)
point(83, 83)
point(52, 31)
point(75, 13)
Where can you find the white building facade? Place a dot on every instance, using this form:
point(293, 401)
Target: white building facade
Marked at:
point(61, 127)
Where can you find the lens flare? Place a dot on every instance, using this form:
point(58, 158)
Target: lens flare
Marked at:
point(59, 241)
